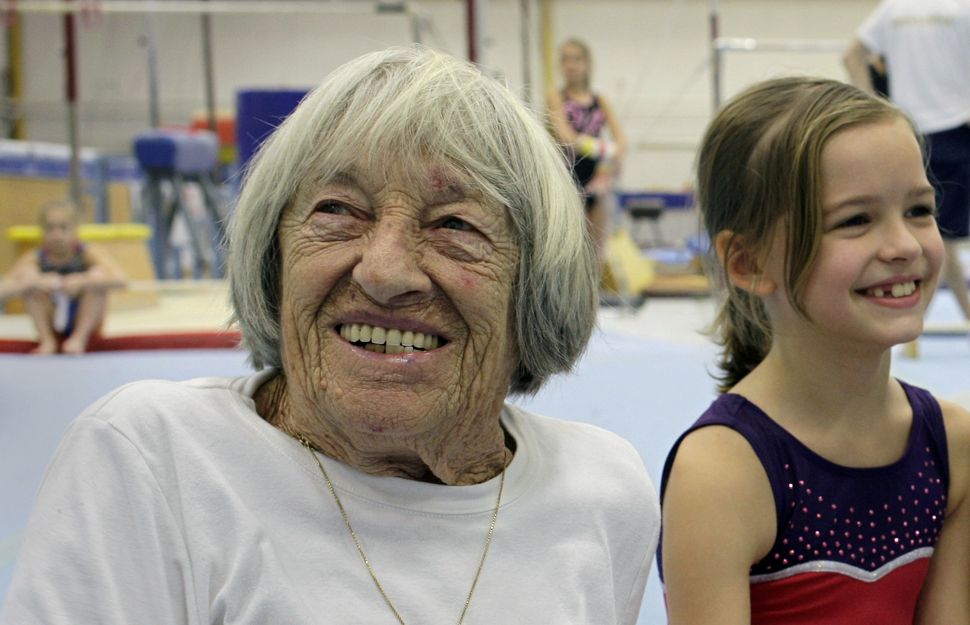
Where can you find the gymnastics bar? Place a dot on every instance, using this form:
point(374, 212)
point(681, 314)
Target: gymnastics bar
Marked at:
point(215, 6)
point(747, 44)
point(721, 45)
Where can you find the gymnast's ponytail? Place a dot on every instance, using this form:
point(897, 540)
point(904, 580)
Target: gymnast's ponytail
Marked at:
point(741, 329)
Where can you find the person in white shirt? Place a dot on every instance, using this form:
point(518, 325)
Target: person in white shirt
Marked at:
point(408, 250)
point(926, 48)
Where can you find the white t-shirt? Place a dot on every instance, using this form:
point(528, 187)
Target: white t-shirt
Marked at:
point(926, 44)
point(175, 503)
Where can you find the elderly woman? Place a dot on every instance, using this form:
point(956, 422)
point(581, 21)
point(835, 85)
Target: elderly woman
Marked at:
point(408, 250)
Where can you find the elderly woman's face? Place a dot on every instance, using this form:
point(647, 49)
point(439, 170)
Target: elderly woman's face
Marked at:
point(395, 301)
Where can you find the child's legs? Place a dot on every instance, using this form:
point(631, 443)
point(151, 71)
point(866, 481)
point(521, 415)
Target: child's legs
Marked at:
point(598, 221)
point(90, 314)
point(954, 277)
point(40, 307)
point(950, 174)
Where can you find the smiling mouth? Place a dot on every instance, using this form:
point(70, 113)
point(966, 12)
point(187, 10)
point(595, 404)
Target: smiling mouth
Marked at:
point(388, 340)
point(900, 289)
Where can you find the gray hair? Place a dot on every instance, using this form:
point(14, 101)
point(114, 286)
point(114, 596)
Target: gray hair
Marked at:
point(403, 102)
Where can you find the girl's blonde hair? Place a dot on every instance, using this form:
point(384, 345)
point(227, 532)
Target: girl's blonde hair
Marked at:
point(760, 167)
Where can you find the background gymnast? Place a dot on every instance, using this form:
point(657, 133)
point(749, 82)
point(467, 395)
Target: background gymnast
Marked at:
point(578, 116)
point(64, 283)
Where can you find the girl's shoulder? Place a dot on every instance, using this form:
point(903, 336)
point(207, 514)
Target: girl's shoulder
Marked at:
point(956, 420)
point(729, 436)
point(714, 486)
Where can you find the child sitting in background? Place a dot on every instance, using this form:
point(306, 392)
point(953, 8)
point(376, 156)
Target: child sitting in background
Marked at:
point(817, 488)
point(64, 283)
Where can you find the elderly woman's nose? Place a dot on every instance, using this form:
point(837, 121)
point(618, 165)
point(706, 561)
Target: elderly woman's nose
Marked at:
point(389, 269)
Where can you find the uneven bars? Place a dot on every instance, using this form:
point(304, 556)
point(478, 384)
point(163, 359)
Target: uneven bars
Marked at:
point(216, 6)
point(747, 44)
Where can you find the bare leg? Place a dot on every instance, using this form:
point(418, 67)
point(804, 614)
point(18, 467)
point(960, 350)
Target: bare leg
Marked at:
point(598, 221)
point(90, 314)
point(954, 277)
point(41, 310)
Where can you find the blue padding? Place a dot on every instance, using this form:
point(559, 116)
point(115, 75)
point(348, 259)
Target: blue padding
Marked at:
point(177, 150)
point(661, 199)
point(699, 244)
point(258, 113)
point(44, 160)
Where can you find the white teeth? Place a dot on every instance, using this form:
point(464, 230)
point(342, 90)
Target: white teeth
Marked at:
point(388, 340)
point(378, 335)
point(900, 289)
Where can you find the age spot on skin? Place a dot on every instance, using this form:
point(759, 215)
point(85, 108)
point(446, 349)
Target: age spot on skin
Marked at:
point(439, 181)
point(442, 182)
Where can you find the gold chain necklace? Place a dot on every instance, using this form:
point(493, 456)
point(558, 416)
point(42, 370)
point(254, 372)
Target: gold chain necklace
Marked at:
point(363, 556)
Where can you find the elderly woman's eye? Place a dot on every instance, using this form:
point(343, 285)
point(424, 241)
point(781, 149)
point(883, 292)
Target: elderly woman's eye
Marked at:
point(330, 207)
point(454, 223)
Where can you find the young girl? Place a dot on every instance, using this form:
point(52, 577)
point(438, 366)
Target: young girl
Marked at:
point(817, 488)
point(579, 116)
point(64, 283)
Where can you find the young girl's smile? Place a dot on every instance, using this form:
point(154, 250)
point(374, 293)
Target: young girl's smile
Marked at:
point(880, 254)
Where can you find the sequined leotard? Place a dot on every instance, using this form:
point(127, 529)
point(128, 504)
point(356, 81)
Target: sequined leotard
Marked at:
point(587, 120)
point(853, 544)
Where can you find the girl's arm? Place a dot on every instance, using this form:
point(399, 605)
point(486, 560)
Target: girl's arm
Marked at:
point(616, 132)
point(946, 594)
point(9, 288)
point(557, 117)
point(23, 277)
point(718, 519)
point(103, 271)
point(856, 62)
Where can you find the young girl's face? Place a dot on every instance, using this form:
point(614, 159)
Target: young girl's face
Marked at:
point(574, 64)
point(880, 255)
point(60, 229)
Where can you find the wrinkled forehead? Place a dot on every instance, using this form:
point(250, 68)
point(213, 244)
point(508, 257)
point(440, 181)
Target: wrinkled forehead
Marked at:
point(440, 140)
point(426, 178)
